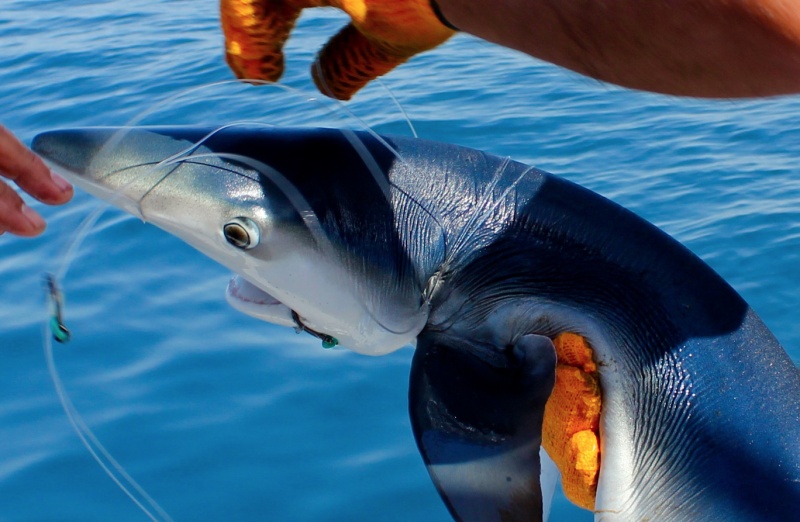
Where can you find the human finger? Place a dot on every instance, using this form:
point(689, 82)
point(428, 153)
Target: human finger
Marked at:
point(21, 165)
point(15, 216)
point(255, 32)
point(383, 35)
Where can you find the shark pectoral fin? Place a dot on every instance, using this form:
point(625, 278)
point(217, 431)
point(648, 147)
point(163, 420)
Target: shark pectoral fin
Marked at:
point(477, 419)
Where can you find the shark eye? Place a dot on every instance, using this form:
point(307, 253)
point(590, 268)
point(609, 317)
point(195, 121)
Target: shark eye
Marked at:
point(241, 232)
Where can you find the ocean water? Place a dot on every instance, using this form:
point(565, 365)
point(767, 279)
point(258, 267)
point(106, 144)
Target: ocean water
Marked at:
point(222, 417)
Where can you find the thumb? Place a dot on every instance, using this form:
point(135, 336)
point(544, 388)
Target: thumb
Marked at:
point(255, 32)
point(351, 59)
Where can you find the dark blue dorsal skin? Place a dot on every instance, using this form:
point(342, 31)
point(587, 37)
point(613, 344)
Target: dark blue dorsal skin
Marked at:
point(711, 401)
point(701, 405)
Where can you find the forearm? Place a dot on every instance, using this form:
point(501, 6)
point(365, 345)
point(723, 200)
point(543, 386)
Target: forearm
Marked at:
point(708, 48)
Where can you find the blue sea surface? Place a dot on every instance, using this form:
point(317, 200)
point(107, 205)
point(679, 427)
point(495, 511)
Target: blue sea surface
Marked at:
point(223, 417)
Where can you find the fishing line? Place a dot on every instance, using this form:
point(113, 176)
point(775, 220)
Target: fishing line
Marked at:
point(340, 112)
point(56, 328)
point(340, 107)
point(485, 207)
point(398, 105)
point(100, 454)
point(298, 201)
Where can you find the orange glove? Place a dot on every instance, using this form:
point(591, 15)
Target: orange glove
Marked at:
point(382, 35)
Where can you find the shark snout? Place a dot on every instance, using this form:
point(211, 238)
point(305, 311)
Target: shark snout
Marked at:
point(119, 165)
point(70, 150)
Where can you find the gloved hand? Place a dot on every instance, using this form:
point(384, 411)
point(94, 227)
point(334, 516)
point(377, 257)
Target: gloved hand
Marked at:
point(382, 35)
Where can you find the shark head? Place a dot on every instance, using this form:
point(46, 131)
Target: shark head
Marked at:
point(306, 253)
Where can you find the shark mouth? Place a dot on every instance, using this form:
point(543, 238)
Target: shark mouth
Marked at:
point(248, 298)
point(251, 300)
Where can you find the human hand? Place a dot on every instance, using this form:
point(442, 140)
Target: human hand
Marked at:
point(28, 171)
point(382, 35)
